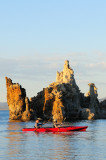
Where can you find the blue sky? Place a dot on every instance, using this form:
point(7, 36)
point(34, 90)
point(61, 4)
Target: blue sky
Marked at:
point(36, 37)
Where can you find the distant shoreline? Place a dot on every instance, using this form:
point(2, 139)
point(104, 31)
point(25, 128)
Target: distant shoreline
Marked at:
point(4, 106)
point(4, 109)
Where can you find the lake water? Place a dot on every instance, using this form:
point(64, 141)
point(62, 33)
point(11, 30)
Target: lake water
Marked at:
point(18, 145)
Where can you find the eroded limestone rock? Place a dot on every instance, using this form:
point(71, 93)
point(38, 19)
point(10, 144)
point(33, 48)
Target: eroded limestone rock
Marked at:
point(66, 76)
point(61, 100)
point(17, 101)
point(103, 108)
point(86, 114)
point(93, 101)
point(92, 91)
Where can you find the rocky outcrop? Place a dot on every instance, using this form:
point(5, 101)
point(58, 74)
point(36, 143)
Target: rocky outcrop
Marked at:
point(66, 76)
point(94, 103)
point(61, 100)
point(91, 106)
point(17, 101)
point(103, 108)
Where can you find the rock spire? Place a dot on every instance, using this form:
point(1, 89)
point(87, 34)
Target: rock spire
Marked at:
point(61, 100)
point(66, 76)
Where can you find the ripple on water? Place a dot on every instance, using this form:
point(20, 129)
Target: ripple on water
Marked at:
point(15, 144)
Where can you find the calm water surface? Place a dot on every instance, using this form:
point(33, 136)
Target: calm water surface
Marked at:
point(16, 145)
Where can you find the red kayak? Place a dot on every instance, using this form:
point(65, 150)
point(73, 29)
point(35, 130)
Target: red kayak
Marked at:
point(59, 129)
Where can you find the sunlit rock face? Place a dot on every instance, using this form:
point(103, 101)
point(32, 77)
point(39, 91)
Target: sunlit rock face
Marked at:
point(67, 102)
point(92, 90)
point(66, 76)
point(17, 101)
point(91, 104)
point(78, 106)
point(61, 100)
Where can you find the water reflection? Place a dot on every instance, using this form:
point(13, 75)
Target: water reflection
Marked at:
point(62, 147)
point(56, 146)
point(15, 137)
point(35, 145)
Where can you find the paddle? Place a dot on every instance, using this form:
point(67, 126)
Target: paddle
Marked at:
point(59, 124)
point(40, 124)
point(55, 124)
point(48, 121)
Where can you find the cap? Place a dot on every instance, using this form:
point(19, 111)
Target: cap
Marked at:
point(38, 118)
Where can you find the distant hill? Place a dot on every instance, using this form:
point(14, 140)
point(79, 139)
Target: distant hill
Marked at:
point(3, 106)
point(102, 99)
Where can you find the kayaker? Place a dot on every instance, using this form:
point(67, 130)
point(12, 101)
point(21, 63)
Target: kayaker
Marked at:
point(37, 123)
point(55, 123)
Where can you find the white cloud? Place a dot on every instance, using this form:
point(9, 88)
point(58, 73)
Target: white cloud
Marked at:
point(39, 66)
point(41, 70)
point(99, 65)
point(30, 67)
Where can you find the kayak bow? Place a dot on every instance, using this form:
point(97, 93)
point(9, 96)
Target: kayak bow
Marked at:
point(59, 129)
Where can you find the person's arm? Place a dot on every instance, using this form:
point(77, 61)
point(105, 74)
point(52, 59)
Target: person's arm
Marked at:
point(55, 125)
point(35, 125)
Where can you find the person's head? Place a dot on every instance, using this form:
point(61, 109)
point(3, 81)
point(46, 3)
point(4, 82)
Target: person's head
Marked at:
point(37, 121)
point(55, 120)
